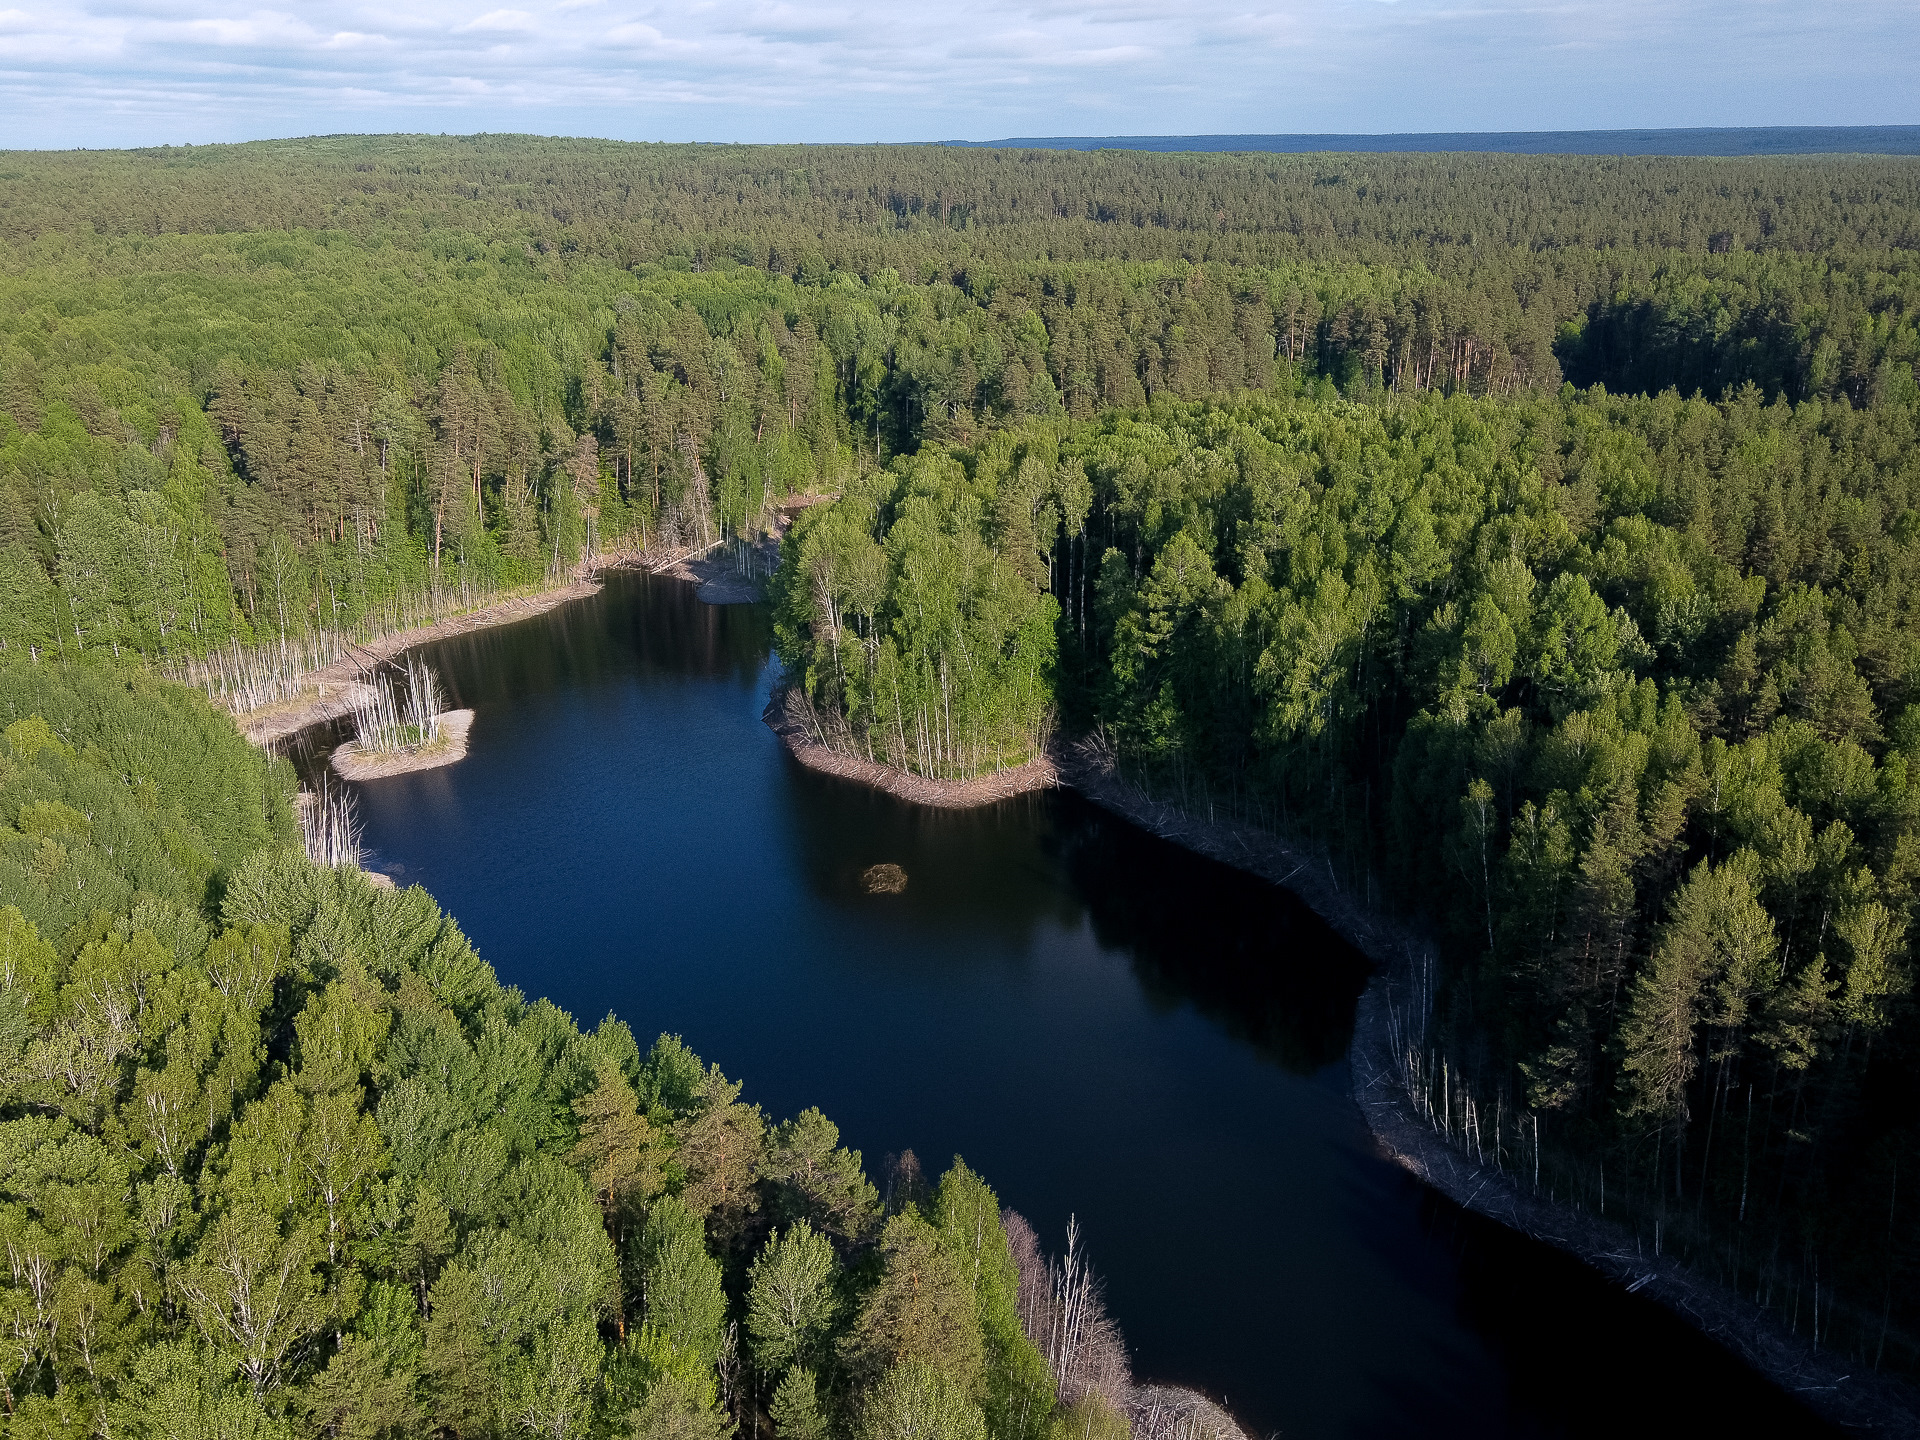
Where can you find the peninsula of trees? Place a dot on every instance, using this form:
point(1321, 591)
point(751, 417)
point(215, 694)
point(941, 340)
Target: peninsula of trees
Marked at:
point(1616, 695)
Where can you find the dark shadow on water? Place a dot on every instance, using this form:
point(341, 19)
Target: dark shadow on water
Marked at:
point(1250, 957)
point(636, 627)
point(985, 867)
point(1582, 1358)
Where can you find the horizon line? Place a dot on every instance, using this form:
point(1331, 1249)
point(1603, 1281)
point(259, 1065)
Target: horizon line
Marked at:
point(1676, 141)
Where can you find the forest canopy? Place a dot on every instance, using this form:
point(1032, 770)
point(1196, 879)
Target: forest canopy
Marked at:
point(1535, 533)
point(279, 1156)
point(1615, 695)
point(269, 389)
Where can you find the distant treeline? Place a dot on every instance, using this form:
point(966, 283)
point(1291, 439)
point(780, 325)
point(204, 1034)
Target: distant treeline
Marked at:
point(865, 207)
point(1719, 141)
point(274, 387)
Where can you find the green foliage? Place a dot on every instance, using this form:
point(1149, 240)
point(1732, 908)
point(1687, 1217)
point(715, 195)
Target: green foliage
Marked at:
point(685, 1303)
point(1616, 693)
point(1713, 959)
point(648, 1359)
point(621, 1155)
point(916, 1400)
point(676, 1409)
point(278, 1155)
point(457, 1358)
point(236, 410)
point(795, 1409)
point(370, 1386)
point(668, 1222)
point(177, 1391)
point(117, 791)
point(1018, 1386)
point(1091, 1417)
point(921, 1309)
point(1260, 465)
point(813, 1179)
point(718, 1145)
point(792, 1300)
point(672, 1076)
point(914, 610)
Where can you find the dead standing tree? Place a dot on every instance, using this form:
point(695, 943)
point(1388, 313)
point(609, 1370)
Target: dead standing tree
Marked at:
point(1063, 1309)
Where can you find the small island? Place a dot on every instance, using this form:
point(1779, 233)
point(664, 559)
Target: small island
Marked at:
point(401, 725)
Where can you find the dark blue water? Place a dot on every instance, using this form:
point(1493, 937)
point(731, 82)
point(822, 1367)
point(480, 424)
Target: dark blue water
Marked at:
point(1102, 1024)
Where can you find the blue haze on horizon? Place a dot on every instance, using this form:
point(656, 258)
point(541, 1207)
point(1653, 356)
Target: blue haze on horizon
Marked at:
point(139, 72)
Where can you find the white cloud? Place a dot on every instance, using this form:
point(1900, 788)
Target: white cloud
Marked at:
point(498, 20)
point(263, 28)
point(143, 71)
point(637, 36)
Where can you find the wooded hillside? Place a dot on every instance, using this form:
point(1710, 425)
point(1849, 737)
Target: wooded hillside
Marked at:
point(271, 388)
point(1617, 696)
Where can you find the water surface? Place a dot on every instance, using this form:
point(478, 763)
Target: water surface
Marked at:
point(1101, 1023)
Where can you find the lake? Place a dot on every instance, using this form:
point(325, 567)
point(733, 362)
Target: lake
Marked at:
point(1102, 1024)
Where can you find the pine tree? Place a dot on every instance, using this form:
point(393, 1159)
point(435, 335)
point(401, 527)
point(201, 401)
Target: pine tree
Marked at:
point(922, 1310)
point(795, 1410)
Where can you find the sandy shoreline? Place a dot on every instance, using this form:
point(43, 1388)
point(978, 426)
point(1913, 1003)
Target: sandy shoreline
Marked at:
point(335, 687)
point(718, 576)
point(1825, 1382)
point(786, 716)
point(332, 691)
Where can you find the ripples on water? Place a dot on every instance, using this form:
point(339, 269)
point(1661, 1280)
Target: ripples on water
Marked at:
point(1101, 1023)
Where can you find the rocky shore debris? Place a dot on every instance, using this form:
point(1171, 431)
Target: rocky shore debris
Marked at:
point(330, 830)
point(1170, 1412)
point(732, 570)
point(724, 574)
point(403, 725)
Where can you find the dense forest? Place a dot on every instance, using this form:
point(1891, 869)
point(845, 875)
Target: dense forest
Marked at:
point(1535, 533)
point(279, 1156)
point(1618, 694)
point(325, 378)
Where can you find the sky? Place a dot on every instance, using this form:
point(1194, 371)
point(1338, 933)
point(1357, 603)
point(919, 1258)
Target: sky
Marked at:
point(110, 73)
